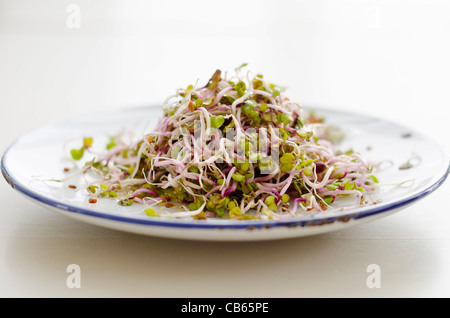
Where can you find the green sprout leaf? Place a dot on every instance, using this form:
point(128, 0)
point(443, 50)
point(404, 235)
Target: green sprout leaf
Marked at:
point(77, 154)
point(193, 206)
point(328, 199)
point(112, 194)
point(263, 107)
point(199, 102)
point(207, 102)
point(217, 121)
point(151, 212)
point(238, 177)
point(240, 88)
point(193, 169)
point(112, 143)
point(283, 118)
point(276, 91)
point(242, 65)
point(236, 211)
point(349, 186)
point(332, 187)
point(93, 188)
point(125, 202)
point(269, 200)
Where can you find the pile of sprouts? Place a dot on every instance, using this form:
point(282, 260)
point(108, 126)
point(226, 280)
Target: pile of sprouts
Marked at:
point(234, 148)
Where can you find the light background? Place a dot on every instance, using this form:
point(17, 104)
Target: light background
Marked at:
point(385, 58)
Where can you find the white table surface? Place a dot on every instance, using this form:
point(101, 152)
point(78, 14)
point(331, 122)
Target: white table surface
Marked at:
point(388, 59)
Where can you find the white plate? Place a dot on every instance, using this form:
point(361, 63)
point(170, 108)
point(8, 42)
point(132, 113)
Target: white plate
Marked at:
point(39, 156)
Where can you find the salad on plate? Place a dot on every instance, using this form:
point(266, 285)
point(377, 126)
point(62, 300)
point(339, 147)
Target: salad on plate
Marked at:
point(234, 147)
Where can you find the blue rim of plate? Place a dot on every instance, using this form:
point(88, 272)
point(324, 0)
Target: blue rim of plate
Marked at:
point(356, 214)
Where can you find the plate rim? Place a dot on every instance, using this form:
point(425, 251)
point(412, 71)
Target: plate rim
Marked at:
point(342, 216)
